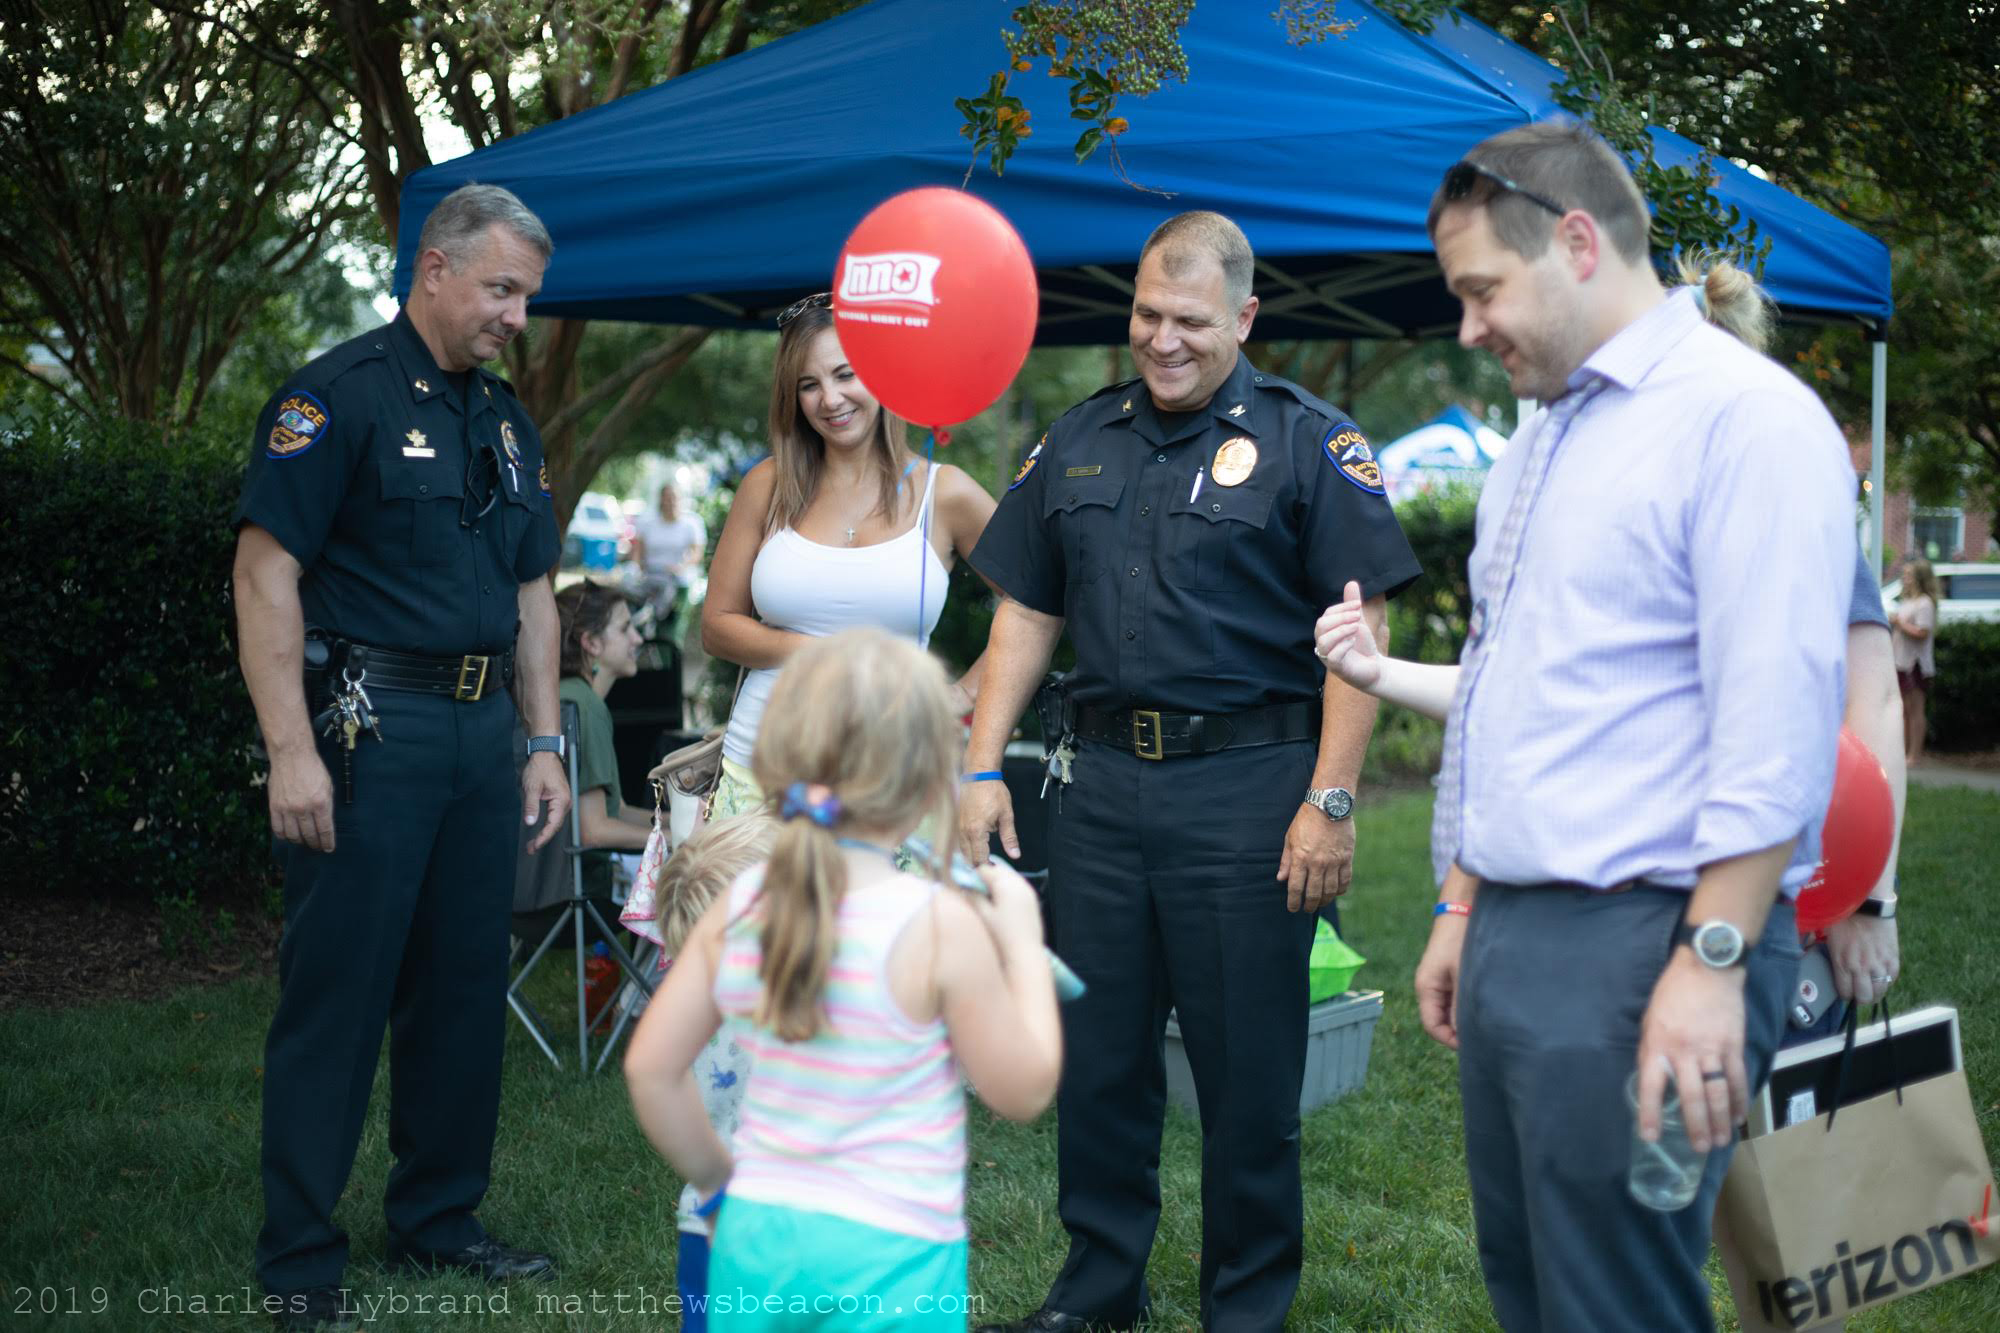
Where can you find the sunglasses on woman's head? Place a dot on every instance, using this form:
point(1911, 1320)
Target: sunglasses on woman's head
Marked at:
point(1464, 177)
point(817, 301)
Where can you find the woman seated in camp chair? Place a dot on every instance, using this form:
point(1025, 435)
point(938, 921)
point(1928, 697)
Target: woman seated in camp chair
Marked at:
point(599, 648)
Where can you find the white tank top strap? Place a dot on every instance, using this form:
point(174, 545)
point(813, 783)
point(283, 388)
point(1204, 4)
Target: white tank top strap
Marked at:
point(930, 484)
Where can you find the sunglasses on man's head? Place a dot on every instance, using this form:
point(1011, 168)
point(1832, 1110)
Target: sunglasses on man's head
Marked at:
point(817, 301)
point(1464, 178)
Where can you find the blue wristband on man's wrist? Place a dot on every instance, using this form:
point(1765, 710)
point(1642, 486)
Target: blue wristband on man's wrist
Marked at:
point(988, 775)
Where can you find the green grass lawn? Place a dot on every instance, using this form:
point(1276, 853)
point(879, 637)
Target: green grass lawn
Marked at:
point(128, 1148)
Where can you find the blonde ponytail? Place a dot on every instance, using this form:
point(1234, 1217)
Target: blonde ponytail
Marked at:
point(858, 734)
point(799, 927)
point(1729, 298)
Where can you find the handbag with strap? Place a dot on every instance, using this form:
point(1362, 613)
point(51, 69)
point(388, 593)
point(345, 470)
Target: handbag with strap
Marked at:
point(642, 906)
point(689, 774)
point(1860, 1206)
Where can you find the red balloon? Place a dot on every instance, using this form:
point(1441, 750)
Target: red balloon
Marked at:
point(1854, 845)
point(935, 304)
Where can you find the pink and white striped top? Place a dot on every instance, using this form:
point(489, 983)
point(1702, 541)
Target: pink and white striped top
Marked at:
point(866, 1120)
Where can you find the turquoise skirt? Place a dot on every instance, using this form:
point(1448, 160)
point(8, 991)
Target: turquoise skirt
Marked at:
point(785, 1268)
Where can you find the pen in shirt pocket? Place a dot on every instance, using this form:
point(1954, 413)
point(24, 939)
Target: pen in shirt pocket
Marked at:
point(1199, 474)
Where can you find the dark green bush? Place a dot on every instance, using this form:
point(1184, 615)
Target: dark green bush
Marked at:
point(1426, 624)
point(1427, 621)
point(1963, 710)
point(127, 727)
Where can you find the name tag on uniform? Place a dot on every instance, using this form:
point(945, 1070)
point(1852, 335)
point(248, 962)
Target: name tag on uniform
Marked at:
point(1083, 471)
point(417, 447)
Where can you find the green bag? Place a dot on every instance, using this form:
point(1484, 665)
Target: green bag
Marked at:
point(1332, 966)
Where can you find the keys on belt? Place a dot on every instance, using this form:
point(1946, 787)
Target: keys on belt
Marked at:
point(343, 720)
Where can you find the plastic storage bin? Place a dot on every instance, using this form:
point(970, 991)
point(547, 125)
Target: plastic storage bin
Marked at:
point(1339, 1032)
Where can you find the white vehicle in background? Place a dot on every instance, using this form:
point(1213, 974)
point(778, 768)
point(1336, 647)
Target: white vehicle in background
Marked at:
point(599, 535)
point(1971, 592)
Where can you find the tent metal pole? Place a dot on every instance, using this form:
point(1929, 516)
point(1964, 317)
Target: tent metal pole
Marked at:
point(1878, 420)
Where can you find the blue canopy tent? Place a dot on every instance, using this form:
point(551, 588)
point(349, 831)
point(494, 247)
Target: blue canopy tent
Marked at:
point(720, 196)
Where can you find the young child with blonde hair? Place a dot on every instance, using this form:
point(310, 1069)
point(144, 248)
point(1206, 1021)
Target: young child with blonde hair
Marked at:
point(694, 877)
point(862, 992)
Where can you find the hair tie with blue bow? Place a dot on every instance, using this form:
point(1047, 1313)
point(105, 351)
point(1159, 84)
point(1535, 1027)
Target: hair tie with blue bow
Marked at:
point(810, 800)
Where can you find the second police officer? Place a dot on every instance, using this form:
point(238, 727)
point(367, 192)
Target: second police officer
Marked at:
point(395, 533)
point(1187, 527)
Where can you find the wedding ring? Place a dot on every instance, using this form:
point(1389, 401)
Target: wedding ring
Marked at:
point(1711, 1075)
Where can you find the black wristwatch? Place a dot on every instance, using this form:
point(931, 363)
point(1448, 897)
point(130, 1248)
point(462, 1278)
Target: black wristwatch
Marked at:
point(1884, 908)
point(545, 744)
point(1717, 943)
point(1333, 802)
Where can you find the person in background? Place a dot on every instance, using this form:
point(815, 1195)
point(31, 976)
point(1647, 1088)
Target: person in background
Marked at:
point(1862, 948)
point(671, 545)
point(599, 649)
point(700, 871)
point(860, 993)
point(841, 527)
point(1915, 632)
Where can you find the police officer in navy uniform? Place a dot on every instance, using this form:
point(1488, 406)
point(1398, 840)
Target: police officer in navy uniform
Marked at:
point(1187, 527)
point(394, 537)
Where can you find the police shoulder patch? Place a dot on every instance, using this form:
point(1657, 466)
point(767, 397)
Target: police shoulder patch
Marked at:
point(300, 421)
point(544, 477)
point(1348, 451)
point(1028, 463)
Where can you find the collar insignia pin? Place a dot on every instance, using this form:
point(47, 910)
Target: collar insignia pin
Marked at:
point(1237, 410)
point(422, 386)
point(1126, 406)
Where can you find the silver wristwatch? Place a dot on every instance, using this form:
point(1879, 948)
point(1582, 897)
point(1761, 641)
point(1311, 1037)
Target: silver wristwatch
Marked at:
point(1716, 943)
point(1333, 802)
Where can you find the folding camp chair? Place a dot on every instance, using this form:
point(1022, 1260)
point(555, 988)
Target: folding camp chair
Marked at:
point(552, 879)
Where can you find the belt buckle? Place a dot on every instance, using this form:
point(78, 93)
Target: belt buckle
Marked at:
point(1141, 718)
point(464, 693)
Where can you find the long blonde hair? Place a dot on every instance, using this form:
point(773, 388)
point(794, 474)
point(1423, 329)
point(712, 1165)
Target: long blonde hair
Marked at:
point(866, 717)
point(704, 866)
point(798, 450)
point(1920, 578)
point(1729, 298)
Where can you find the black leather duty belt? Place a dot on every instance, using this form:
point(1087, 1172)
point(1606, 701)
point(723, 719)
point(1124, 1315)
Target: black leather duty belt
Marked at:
point(465, 679)
point(1151, 734)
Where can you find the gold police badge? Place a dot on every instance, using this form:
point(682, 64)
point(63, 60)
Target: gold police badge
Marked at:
point(1233, 462)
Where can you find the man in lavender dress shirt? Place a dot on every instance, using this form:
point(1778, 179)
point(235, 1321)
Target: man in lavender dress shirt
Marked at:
point(1641, 735)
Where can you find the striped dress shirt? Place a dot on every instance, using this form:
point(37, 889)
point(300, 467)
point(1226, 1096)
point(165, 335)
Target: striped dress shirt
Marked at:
point(1663, 687)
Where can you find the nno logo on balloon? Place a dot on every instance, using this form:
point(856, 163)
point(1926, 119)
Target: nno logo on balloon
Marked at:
point(905, 278)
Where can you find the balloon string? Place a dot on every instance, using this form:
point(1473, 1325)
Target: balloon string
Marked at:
point(924, 555)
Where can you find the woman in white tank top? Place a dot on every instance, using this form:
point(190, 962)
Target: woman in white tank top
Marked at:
point(829, 533)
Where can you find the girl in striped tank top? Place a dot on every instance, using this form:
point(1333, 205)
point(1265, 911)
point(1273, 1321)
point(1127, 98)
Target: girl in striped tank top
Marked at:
point(860, 993)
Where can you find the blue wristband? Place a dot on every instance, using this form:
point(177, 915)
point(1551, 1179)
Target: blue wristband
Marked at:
point(989, 775)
